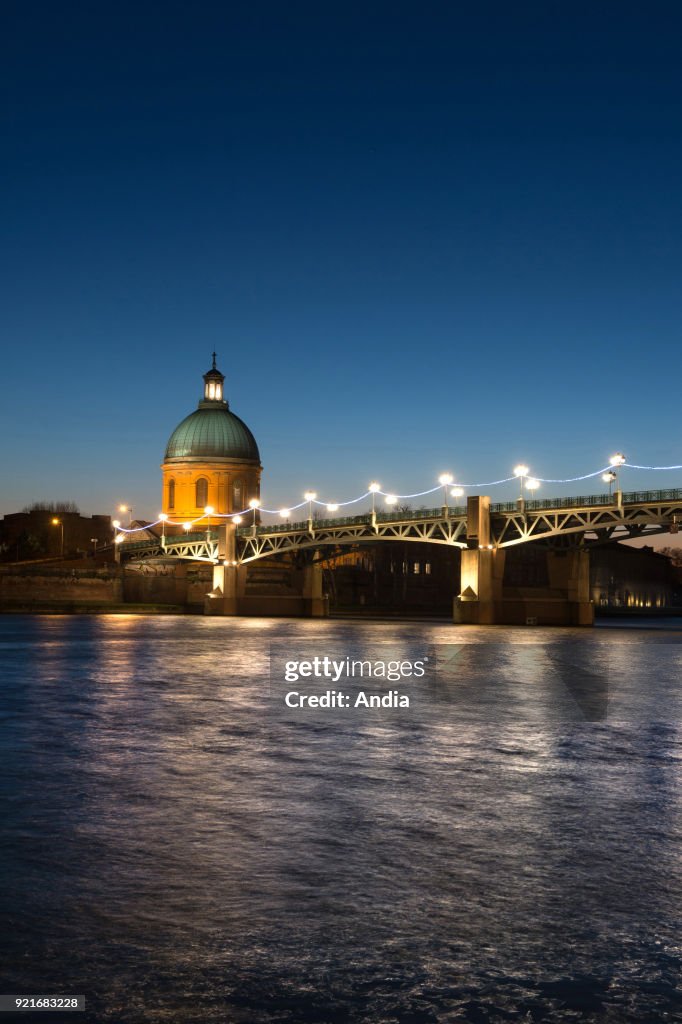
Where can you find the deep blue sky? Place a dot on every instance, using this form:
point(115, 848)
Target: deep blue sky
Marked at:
point(420, 236)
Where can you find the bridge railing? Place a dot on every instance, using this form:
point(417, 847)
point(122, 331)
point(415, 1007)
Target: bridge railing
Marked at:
point(171, 538)
point(641, 497)
point(361, 520)
point(589, 500)
point(537, 504)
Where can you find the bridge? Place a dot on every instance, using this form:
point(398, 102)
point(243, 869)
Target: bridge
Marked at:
point(567, 527)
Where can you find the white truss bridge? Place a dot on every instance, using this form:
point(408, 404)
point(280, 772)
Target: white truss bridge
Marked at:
point(588, 519)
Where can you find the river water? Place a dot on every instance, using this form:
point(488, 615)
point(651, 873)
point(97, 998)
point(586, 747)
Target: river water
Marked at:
point(179, 846)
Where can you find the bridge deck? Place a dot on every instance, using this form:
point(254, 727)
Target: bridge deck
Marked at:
point(512, 523)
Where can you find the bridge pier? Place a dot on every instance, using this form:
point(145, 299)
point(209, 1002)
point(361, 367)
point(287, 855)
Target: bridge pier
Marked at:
point(480, 595)
point(485, 601)
point(222, 600)
point(315, 604)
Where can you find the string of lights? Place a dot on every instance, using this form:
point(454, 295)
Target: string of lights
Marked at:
point(521, 474)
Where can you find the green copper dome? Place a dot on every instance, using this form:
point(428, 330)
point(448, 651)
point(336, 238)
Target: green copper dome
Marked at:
point(212, 431)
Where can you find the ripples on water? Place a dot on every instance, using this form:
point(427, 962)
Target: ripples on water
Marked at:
point(180, 849)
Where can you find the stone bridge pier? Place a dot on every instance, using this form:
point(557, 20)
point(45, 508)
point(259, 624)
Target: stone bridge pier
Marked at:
point(230, 596)
point(484, 600)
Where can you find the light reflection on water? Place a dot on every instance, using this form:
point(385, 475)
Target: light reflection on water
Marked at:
point(180, 848)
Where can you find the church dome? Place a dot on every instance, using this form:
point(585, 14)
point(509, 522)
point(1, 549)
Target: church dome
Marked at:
point(212, 434)
point(212, 431)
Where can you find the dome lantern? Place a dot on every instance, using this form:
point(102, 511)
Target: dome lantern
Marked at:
point(213, 385)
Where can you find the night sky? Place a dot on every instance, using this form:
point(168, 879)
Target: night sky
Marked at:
point(421, 237)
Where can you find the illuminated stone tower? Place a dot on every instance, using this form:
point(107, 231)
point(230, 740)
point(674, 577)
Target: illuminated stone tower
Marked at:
point(211, 459)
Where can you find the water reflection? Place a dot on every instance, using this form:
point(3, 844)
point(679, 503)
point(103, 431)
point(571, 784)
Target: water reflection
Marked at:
point(182, 847)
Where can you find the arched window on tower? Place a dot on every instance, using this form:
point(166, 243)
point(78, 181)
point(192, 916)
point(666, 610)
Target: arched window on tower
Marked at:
point(238, 496)
point(171, 493)
point(201, 491)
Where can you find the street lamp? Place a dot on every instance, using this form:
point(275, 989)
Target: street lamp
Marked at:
point(187, 527)
point(208, 511)
point(284, 513)
point(608, 477)
point(532, 484)
point(374, 489)
point(310, 498)
point(457, 492)
point(94, 541)
point(60, 522)
point(521, 471)
point(332, 507)
point(391, 499)
point(445, 479)
point(163, 517)
point(253, 504)
point(616, 461)
point(129, 510)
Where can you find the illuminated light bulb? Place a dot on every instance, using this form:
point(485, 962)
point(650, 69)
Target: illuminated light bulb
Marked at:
point(285, 513)
point(310, 495)
point(532, 484)
point(391, 499)
point(123, 508)
point(116, 523)
point(236, 520)
point(254, 503)
point(617, 460)
point(187, 527)
point(333, 507)
point(521, 470)
point(445, 479)
point(163, 517)
point(374, 487)
point(119, 539)
point(209, 510)
point(608, 477)
point(457, 492)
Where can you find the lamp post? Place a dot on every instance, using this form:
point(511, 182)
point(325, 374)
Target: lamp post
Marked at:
point(608, 477)
point(93, 541)
point(310, 498)
point(521, 472)
point(457, 492)
point(253, 504)
point(118, 540)
point(532, 484)
point(208, 511)
point(374, 489)
point(129, 510)
point(616, 461)
point(445, 479)
point(163, 517)
point(60, 523)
